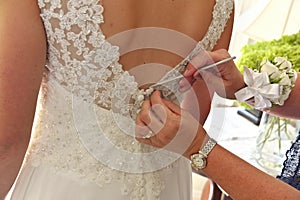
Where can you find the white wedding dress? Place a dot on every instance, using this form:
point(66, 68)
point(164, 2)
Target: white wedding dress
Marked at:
point(82, 145)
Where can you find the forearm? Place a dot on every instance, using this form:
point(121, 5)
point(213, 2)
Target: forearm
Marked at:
point(22, 61)
point(237, 177)
point(14, 140)
point(243, 181)
point(11, 158)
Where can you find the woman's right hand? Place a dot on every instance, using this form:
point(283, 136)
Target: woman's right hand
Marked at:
point(170, 127)
point(224, 79)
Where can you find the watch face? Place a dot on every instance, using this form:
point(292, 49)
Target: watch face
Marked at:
point(198, 161)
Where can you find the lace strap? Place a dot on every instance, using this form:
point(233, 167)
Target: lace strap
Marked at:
point(221, 14)
point(291, 167)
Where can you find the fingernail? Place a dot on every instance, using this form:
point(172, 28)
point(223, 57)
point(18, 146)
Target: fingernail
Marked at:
point(181, 83)
point(158, 93)
point(186, 73)
point(181, 89)
point(198, 76)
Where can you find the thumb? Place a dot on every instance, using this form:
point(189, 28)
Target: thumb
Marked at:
point(168, 106)
point(172, 106)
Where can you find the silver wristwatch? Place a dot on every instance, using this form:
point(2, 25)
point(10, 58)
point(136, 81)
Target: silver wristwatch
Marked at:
point(199, 159)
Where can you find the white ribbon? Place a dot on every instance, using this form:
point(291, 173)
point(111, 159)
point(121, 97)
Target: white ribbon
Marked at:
point(259, 87)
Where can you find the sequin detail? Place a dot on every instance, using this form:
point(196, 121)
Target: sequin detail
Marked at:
point(83, 65)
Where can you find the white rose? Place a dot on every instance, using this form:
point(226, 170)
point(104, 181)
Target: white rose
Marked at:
point(283, 63)
point(269, 68)
point(275, 76)
point(282, 73)
point(293, 76)
point(285, 80)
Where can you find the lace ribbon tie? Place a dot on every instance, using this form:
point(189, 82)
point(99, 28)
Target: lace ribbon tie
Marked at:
point(259, 87)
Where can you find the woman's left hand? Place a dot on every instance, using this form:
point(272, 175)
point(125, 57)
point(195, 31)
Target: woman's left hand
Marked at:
point(163, 124)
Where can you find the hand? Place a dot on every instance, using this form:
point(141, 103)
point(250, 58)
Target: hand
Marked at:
point(224, 79)
point(171, 127)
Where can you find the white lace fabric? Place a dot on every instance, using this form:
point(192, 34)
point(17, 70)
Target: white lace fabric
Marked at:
point(57, 143)
point(84, 72)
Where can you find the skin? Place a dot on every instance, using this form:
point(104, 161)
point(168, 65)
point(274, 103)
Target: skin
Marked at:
point(125, 15)
point(23, 56)
point(241, 180)
point(21, 66)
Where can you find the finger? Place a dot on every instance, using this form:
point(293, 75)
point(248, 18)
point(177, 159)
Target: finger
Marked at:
point(172, 106)
point(155, 98)
point(214, 82)
point(148, 141)
point(209, 59)
point(152, 140)
point(144, 114)
point(156, 123)
point(214, 70)
point(171, 122)
point(158, 107)
point(190, 69)
point(146, 132)
point(147, 121)
point(201, 59)
point(186, 83)
point(141, 129)
point(161, 139)
point(198, 60)
point(210, 77)
point(142, 119)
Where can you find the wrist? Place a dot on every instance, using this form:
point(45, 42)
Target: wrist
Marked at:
point(199, 159)
point(197, 143)
point(240, 84)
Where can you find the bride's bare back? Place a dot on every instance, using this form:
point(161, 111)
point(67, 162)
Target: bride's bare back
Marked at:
point(191, 18)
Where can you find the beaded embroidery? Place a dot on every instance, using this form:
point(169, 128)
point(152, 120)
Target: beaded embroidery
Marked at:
point(83, 63)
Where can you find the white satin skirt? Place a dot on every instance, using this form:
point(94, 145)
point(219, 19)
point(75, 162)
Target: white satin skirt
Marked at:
point(42, 183)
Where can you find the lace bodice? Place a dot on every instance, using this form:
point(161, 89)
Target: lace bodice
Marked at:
point(80, 57)
point(86, 96)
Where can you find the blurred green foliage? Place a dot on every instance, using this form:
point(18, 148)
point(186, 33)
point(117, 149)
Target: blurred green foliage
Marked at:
point(287, 46)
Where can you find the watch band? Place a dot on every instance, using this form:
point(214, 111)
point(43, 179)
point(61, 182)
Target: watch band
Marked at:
point(209, 145)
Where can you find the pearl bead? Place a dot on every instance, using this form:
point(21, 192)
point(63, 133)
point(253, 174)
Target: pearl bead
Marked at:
point(140, 97)
point(149, 91)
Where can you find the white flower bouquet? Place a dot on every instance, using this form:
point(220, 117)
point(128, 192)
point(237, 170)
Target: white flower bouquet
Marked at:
point(280, 71)
point(270, 84)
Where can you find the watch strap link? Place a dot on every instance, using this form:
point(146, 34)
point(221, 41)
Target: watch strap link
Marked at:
point(209, 145)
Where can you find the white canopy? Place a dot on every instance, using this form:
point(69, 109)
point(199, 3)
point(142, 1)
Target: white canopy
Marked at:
point(270, 19)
